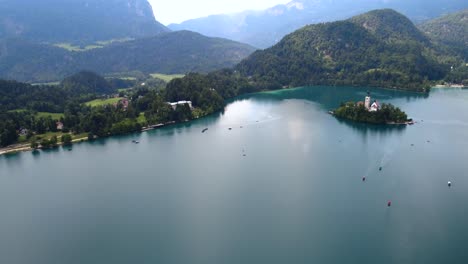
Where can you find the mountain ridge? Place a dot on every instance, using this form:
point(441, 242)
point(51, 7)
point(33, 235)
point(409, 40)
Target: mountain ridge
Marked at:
point(348, 53)
point(265, 28)
point(340, 53)
point(77, 21)
point(450, 30)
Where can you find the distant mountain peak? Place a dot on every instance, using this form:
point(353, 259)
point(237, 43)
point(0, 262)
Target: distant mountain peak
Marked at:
point(77, 21)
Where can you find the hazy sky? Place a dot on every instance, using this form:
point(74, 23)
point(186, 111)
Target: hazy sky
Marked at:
point(176, 11)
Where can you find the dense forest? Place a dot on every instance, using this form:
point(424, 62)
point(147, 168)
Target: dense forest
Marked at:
point(450, 30)
point(28, 113)
point(175, 52)
point(379, 48)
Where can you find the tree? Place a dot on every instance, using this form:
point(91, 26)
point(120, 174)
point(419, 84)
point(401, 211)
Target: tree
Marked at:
point(45, 143)
point(66, 139)
point(8, 133)
point(53, 140)
point(34, 144)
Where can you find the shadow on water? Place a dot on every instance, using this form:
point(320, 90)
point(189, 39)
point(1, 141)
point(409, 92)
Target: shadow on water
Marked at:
point(330, 97)
point(365, 129)
point(51, 150)
point(191, 126)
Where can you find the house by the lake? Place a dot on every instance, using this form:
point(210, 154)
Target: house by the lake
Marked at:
point(175, 104)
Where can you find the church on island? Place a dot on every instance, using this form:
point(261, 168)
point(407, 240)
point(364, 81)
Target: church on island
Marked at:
point(374, 107)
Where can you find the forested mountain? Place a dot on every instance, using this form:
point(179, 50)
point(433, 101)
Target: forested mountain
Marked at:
point(173, 52)
point(379, 48)
point(263, 29)
point(77, 21)
point(450, 30)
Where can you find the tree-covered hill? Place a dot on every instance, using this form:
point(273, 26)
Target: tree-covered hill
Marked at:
point(86, 82)
point(380, 48)
point(77, 21)
point(174, 52)
point(389, 26)
point(52, 98)
point(450, 30)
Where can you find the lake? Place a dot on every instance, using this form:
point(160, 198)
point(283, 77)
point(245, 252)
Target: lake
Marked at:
point(284, 185)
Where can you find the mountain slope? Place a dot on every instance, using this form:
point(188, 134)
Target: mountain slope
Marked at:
point(450, 30)
point(350, 52)
point(265, 28)
point(77, 21)
point(389, 26)
point(174, 52)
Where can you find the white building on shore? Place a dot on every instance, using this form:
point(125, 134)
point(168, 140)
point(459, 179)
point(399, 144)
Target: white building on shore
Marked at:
point(175, 104)
point(374, 107)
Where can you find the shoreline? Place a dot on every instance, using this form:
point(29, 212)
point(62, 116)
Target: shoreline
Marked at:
point(409, 122)
point(12, 149)
point(450, 86)
point(15, 148)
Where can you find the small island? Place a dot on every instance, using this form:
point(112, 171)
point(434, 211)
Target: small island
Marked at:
point(374, 113)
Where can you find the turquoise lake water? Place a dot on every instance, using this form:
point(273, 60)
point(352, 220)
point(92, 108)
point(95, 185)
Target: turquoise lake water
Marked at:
point(285, 188)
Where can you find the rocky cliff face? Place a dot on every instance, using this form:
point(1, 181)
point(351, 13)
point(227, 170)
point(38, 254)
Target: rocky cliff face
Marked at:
point(77, 21)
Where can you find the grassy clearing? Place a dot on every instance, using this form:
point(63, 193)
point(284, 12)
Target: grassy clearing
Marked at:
point(49, 135)
point(55, 116)
point(71, 47)
point(108, 42)
point(17, 111)
point(96, 45)
point(101, 102)
point(124, 89)
point(142, 119)
point(46, 83)
point(166, 77)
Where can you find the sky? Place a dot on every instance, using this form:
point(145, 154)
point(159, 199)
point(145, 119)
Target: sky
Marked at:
point(176, 11)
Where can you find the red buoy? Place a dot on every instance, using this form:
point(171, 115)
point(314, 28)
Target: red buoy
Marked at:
point(389, 203)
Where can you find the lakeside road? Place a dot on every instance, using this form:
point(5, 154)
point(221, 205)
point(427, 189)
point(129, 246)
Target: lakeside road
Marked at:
point(27, 147)
point(449, 86)
point(15, 148)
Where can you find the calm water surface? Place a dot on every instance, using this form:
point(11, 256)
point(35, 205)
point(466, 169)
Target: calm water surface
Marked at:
point(182, 196)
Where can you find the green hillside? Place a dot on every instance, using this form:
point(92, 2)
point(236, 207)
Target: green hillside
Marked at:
point(167, 53)
point(379, 48)
point(450, 30)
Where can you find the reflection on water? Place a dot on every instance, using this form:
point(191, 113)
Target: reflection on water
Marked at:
point(283, 185)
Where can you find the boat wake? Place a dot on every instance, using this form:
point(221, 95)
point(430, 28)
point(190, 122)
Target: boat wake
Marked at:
point(446, 122)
